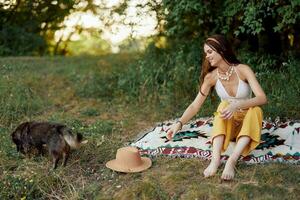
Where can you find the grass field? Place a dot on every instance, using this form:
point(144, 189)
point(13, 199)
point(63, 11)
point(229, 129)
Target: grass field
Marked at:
point(90, 95)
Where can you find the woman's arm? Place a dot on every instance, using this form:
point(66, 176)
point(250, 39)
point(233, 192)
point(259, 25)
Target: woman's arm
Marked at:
point(260, 96)
point(194, 107)
point(259, 99)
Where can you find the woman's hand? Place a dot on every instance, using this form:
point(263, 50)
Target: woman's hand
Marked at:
point(227, 113)
point(173, 130)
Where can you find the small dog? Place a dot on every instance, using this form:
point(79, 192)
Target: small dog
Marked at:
point(57, 137)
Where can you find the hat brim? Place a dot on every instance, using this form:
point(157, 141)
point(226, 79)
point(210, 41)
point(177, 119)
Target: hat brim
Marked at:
point(116, 166)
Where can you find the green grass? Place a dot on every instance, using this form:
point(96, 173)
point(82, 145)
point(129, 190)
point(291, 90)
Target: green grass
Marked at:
point(99, 97)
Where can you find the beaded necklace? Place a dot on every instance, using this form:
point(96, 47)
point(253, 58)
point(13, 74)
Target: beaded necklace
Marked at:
point(227, 74)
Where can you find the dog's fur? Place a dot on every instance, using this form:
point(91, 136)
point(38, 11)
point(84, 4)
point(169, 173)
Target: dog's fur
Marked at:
point(57, 137)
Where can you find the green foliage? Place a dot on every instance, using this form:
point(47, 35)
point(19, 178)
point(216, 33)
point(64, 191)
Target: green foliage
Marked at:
point(271, 24)
point(17, 41)
point(27, 26)
point(96, 86)
point(186, 18)
point(103, 127)
point(90, 44)
point(261, 63)
point(282, 89)
point(90, 112)
point(163, 76)
point(14, 187)
point(18, 100)
point(289, 15)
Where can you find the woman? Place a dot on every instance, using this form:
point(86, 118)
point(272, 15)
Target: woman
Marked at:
point(238, 117)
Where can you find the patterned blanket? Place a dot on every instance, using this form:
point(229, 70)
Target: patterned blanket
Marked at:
point(280, 142)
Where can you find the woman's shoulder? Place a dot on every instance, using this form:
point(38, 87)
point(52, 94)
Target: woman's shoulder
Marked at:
point(244, 69)
point(211, 77)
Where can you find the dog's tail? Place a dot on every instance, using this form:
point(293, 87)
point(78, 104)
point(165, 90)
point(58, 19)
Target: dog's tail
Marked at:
point(73, 141)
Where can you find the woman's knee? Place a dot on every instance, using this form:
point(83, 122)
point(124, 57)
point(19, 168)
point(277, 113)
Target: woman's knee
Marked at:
point(218, 138)
point(245, 138)
point(255, 109)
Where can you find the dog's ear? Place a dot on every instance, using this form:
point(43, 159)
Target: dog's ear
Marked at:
point(15, 136)
point(19, 136)
point(19, 132)
point(79, 137)
point(16, 139)
point(25, 133)
point(25, 128)
point(21, 129)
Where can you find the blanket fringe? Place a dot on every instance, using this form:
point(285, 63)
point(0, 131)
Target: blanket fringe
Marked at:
point(206, 155)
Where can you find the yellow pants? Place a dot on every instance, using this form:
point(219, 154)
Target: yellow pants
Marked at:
point(243, 123)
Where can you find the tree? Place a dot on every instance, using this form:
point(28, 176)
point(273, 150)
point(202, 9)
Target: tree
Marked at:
point(269, 26)
point(27, 26)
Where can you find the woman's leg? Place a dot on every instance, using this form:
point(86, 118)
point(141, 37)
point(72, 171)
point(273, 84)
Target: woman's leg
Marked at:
point(216, 154)
point(228, 172)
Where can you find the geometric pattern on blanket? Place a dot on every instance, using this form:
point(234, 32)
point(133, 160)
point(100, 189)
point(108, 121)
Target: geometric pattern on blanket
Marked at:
point(280, 142)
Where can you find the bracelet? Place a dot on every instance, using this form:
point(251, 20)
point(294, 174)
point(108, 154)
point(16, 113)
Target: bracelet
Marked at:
point(181, 124)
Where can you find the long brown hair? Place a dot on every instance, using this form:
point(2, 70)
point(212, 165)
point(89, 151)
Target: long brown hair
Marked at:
point(221, 45)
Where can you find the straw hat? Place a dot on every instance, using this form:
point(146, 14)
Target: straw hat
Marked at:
point(128, 159)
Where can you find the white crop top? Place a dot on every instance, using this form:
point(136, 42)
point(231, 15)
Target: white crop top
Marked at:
point(243, 91)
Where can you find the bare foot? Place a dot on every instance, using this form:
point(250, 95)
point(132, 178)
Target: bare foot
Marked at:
point(228, 172)
point(212, 168)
